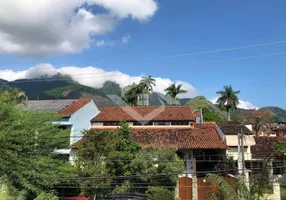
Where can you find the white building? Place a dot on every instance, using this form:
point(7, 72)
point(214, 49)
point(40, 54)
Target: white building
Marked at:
point(75, 115)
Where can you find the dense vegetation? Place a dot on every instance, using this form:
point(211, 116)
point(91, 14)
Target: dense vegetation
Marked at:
point(29, 168)
point(111, 162)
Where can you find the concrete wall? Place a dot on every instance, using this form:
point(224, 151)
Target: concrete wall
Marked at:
point(232, 141)
point(276, 193)
point(81, 120)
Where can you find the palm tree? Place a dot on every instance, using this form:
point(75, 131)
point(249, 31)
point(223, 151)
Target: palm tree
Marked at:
point(131, 94)
point(225, 190)
point(173, 91)
point(146, 84)
point(228, 100)
point(239, 190)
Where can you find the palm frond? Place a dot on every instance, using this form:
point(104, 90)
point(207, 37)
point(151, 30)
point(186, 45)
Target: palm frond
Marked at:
point(213, 195)
point(225, 189)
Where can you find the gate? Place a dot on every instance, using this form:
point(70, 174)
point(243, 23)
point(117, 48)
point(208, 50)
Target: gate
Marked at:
point(185, 188)
point(204, 187)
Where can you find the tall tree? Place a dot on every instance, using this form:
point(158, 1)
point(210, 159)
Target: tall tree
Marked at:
point(131, 94)
point(211, 115)
point(147, 83)
point(228, 100)
point(173, 91)
point(259, 119)
point(119, 164)
point(28, 140)
point(13, 96)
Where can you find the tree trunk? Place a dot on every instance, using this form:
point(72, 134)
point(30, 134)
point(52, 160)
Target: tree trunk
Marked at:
point(228, 115)
point(147, 100)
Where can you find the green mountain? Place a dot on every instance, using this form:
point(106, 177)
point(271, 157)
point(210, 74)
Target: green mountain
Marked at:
point(278, 113)
point(201, 102)
point(56, 87)
point(63, 87)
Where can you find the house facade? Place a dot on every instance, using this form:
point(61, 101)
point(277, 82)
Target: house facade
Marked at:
point(75, 115)
point(171, 126)
point(232, 129)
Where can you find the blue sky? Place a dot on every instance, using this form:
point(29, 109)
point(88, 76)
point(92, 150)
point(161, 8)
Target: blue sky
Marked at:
point(188, 26)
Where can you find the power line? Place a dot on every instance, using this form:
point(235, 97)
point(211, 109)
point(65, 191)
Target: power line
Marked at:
point(188, 54)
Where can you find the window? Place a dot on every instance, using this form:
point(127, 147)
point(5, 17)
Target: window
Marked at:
point(162, 123)
point(142, 123)
point(278, 167)
point(110, 123)
point(181, 123)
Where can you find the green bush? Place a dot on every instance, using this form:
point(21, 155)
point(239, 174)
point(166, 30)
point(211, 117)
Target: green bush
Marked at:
point(158, 193)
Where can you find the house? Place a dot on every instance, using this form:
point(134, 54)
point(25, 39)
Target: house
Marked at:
point(262, 151)
point(170, 126)
point(264, 148)
point(231, 129)
point(280, 131)
point(75, 115)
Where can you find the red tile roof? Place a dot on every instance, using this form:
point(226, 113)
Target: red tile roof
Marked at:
point(264, 146)
point(280, 128)
point(180, 138)
point(206, 125)
point(73, 107)
point(156, 113)
point(175, 137)
point(233, 128)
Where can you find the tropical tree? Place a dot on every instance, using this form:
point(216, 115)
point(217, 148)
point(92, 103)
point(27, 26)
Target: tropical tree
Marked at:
point(239, 190)
point(228, 100)
point(28, 140)
point(259, 119)
point(211, 115)
point(13, 96)
point(146, 84)
point(173, 91)
point(131, 94)
point(114, 157)
point(225, 190)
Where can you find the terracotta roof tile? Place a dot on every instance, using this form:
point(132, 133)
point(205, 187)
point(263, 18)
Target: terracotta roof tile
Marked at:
point(233, 128)
point(73, 107)
point(279, 128)
point(264, 146)
point(176, 137)
point(206, 125)
point(168, 113)
point(181, 138)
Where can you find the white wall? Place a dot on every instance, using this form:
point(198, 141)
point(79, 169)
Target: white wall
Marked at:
point(81, 120)
point(232, 141)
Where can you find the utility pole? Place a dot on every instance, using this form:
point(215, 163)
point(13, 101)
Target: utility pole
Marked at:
point(242, 152)
point(241, 159)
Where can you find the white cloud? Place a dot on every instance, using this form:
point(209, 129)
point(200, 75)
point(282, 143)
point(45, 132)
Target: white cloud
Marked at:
point(242, 104)
point(92, 76)
point(125, 39)
point(100, 43)
point(48, 27)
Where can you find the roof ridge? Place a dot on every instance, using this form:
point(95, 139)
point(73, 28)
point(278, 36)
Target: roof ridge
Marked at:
point(73, 103)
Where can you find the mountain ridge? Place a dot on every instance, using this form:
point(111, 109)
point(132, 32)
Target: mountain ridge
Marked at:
point(63, 87)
